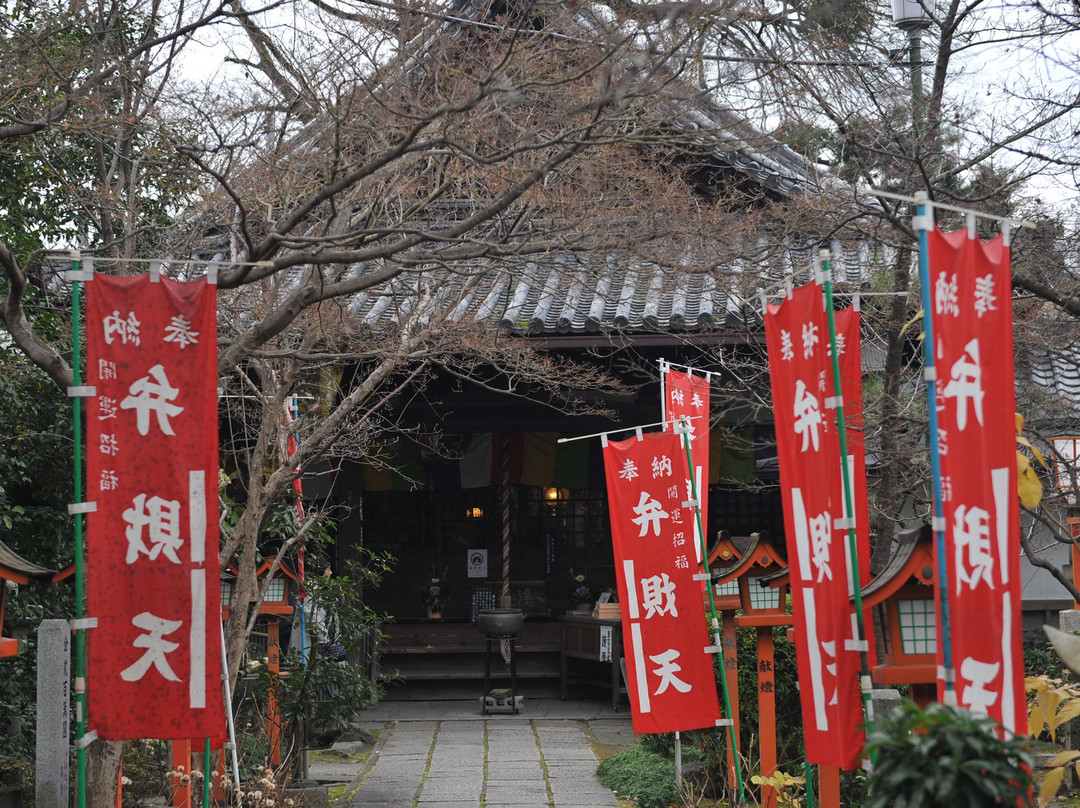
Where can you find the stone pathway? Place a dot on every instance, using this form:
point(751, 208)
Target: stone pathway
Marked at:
point(510, 762)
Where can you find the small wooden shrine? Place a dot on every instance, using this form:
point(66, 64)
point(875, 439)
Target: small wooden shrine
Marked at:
point(17, 569)
point(903, 595)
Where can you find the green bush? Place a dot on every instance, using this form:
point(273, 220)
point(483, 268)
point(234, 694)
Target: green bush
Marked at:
point(644, 776)
point(1040, 658)
point(946, 757)
point(663, 744)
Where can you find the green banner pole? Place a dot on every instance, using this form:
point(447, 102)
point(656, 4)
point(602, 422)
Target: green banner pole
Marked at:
point(714, 621)
point(849, 499)
point(80, 635)
point(206, 775)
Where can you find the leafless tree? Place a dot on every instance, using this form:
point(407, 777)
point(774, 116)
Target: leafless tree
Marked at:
point(410, 149)
point(344, 160)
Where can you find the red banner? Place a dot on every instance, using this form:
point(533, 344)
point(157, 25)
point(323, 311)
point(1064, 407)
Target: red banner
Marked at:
point(808, 447)
point(669, 673)
point(152, 544)
point(971, 293)
point(849, 343)
point(687, 396)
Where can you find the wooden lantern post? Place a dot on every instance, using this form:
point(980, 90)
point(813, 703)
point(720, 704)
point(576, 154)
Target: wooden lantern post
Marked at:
point(275, 591)
point(763, 608)
point(275, 603)
point(180, 762)
point(723, 555)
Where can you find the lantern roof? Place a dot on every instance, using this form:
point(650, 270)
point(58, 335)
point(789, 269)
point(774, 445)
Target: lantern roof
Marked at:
point(282, 569)
point(13, 567)
point(727, 550)
point(913, 558)
point(231, 572)
point(778, 578)
point(759, 553)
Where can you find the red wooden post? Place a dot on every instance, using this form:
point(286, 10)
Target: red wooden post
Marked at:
point(180, 762)
point(731, 672)
point(273, 664)
point(217, 789)
point(766, 711)
point(120, 786)
point(1074, 533)
point(763, 608)
point(829, 785)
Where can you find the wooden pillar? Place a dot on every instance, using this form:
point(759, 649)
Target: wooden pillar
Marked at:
point(217, 789)
point(1073, 521)
point(924, 694)
point(180, 762)
point(1075, 557)
point(731, 673)
point(119, 781)
point(828, 785)
point(766, 711)
point(273, 664)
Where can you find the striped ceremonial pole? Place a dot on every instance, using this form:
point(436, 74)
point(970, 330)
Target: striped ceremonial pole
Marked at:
point(292, 449)
point(505, 600)
point(506, 521)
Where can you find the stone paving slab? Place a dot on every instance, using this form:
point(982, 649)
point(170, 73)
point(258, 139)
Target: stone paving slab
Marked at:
point(391, 796)
point(513, 757)
point(469, 774)
point(521, 797)
point(452, 791)
point(458, 760)
point(508, 771)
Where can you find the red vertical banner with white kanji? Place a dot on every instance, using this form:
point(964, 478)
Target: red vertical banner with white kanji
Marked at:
point(849, 344)
point(669, 673)
point(811, 478)
point(686, 396)
point(154, 658)
point(971, 294)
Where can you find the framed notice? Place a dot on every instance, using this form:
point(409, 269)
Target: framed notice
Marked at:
point(477, 564)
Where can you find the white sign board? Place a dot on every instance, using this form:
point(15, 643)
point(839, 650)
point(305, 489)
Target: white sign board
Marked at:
point(605, 643)
point(477, 564)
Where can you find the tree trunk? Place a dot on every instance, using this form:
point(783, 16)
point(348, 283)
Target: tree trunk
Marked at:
point(244, 588)
point(890, 491)
point(102, 772)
